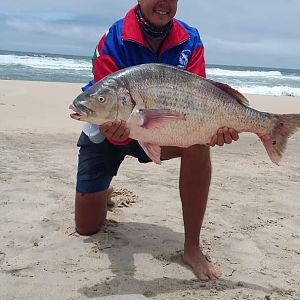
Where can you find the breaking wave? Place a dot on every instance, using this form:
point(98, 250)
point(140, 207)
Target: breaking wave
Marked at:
point(273, 90)
point(261, 81)
point(67, 68)
point(46, 62)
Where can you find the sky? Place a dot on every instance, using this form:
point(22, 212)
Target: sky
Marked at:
point(234, 32)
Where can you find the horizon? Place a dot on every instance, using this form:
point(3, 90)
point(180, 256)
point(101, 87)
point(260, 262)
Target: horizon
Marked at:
point(89, 57)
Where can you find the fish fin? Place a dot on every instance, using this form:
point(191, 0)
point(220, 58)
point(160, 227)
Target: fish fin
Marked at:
point(153, 151)
point(231, 91)
point(276, 139)
point(155, 118)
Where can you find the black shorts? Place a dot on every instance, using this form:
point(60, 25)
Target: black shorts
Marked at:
point(98, 163)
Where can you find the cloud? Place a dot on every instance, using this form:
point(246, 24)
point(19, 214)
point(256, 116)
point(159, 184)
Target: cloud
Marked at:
point(233, 31)
point(60, 32)
point(57, 29)
point(257, 47)
point(50, 16)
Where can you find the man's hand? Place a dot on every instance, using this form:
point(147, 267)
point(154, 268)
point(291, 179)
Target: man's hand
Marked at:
point(224, 136)
point(115, 130)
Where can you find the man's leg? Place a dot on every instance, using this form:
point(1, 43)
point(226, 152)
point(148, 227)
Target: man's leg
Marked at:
point(90, 212)
point(194, 182)
point(93, 183)
point(110, 202)
point(195, 176)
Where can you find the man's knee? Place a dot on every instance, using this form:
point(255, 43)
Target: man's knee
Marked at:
point(199, 153)
point(169, 152)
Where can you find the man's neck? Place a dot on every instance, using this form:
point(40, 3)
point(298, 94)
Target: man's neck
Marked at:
point(154, 43)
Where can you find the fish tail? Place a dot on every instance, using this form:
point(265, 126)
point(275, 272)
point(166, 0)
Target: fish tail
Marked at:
point(275, 140)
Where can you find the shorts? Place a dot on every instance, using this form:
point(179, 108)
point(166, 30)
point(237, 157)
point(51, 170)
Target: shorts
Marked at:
point(98, 163)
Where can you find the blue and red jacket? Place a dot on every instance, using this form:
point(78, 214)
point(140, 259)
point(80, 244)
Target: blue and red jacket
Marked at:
point(124, 45)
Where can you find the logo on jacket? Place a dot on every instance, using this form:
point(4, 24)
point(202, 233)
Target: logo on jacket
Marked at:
point(184, 58)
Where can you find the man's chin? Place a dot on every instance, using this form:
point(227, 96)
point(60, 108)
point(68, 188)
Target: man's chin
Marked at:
point(160, 21)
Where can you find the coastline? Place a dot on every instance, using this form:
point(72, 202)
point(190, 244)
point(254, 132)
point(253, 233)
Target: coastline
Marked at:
point(251, 227)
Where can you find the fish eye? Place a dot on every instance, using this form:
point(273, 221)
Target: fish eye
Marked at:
point(101, 99)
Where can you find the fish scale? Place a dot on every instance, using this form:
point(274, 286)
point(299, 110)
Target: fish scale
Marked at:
point(167, 106)
point(162, 93)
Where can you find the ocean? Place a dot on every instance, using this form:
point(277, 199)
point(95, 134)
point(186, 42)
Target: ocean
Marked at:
point(67, 68)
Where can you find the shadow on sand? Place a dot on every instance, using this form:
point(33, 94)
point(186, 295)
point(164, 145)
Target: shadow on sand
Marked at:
point(120, 241)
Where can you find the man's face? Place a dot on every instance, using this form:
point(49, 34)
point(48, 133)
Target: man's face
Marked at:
point(158, 12)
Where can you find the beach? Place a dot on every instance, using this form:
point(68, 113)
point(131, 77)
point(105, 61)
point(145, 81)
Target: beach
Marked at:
point(251, 228)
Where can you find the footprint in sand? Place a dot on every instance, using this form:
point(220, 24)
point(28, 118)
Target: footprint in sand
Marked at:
point(174, 257)
point(122, 198)
point(2, 257)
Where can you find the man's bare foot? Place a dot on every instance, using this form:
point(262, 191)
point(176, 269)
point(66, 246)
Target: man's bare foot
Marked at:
point(201, 266)
point(110, 202)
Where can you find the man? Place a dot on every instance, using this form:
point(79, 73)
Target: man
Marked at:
point(148, 34)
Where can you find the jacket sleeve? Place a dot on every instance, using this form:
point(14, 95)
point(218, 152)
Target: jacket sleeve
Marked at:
point(196, 63)
point(103, 65)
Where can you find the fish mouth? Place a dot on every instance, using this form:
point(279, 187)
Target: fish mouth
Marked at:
point(81, 112)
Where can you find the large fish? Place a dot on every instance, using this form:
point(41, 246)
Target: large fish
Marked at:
point(167, 106)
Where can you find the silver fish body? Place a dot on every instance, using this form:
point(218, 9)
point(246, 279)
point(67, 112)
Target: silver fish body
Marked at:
point(167, 106)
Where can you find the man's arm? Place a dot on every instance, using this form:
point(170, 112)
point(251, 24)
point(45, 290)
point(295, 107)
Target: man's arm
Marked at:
point(196, 63)
point(103, 65)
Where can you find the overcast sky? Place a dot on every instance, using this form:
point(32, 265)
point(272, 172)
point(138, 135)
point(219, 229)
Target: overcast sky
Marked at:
point(234, 32)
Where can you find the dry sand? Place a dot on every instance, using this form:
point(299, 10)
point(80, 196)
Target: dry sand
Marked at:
point(251, 229)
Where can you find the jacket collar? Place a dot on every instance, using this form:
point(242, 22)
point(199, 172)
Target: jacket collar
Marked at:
point(131, 32)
